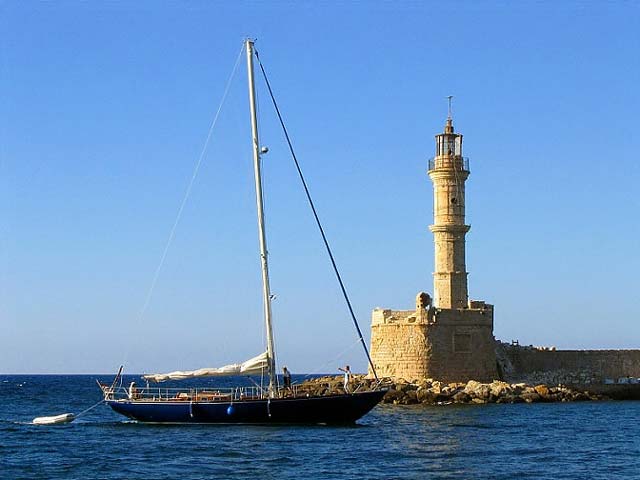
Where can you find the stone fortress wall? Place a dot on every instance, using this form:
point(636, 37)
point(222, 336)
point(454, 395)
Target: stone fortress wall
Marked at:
point(446, 344)
point(549, 366)
point(398, 343)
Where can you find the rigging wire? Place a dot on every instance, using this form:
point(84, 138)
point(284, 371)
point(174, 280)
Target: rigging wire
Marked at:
point(317, 219)
point(333, 361)
point(185, 198)
point(87, 410)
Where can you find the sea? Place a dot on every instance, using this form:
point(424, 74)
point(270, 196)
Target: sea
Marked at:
point(590, 440)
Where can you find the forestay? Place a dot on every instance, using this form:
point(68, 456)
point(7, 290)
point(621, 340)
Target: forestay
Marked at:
point(253, 366)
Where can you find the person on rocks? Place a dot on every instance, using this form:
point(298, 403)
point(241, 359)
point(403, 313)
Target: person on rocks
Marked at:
point(286, 377)
point(347, 378)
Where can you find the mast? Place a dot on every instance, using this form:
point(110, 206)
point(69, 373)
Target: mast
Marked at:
point(266, 292)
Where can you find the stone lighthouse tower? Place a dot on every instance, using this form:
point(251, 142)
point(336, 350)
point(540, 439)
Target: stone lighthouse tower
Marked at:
point(448, 338)
point(449, 171)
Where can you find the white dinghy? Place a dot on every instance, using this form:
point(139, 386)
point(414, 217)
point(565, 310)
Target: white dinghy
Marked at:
point(54, 420)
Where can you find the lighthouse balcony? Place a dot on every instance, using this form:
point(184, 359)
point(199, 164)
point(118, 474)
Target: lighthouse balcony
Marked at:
point(446, 162)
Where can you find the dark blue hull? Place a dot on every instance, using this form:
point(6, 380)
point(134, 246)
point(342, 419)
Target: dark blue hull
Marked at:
point(332, 409)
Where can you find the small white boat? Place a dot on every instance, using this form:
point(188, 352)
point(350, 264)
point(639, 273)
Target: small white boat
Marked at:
point(56, 419)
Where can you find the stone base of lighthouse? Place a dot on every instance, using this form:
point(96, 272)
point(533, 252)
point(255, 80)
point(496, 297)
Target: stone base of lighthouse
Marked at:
point(450, 345)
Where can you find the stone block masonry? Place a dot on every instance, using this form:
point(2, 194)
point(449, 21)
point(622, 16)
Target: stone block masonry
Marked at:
point(451, 345)
point(550, 366)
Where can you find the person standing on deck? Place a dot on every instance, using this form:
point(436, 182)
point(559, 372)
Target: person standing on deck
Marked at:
point(286, 377)
point(347, 378)
point(133, 391)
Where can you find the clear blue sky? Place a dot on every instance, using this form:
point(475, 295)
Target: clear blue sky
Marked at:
point(104, 107)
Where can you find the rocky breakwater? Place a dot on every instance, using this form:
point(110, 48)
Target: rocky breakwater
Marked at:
point(433, 392)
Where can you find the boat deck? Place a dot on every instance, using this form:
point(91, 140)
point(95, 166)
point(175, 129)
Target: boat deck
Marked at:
point(197, 395)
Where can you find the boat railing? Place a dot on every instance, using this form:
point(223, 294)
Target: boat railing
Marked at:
point(205, 394)
point(209, 394)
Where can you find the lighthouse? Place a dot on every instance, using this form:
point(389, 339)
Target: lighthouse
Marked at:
point(449, 171)
point(447, 337)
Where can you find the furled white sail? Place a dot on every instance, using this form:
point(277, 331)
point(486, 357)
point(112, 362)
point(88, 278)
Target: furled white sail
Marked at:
point(252, 366)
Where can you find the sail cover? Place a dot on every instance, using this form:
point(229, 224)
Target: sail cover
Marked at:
point(252, 366)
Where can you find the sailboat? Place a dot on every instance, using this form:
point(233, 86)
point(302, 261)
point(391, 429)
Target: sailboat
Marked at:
point(255, 404)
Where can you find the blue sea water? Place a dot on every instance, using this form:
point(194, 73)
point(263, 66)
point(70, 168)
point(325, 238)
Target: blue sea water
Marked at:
point(599, 440)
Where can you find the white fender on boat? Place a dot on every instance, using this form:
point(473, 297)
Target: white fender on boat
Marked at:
point(56, 419)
